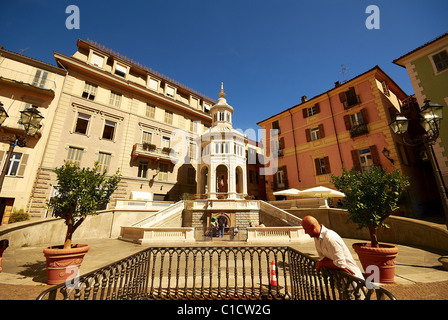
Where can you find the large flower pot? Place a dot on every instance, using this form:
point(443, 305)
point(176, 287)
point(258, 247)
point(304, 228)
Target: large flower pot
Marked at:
point(382, 257)
point(63, 263)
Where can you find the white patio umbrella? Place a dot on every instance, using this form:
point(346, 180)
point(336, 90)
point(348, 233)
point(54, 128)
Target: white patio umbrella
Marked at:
point(288, 192)
point(321, 192)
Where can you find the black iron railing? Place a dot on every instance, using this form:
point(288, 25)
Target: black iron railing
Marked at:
point(210, 273)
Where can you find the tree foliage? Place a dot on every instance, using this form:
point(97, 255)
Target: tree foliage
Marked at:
point(79, 193)
point(370, 196)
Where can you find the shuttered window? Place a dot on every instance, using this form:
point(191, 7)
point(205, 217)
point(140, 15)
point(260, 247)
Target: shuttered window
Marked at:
point(97, 60)
point(74, 155)
point(441, 60)
point(17, 164)
point(104, 161)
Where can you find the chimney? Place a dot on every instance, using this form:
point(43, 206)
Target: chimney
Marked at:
point(337, 84)
point(304, 99)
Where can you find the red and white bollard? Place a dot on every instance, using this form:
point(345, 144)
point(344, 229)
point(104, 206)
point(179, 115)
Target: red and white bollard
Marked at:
point(273, 275)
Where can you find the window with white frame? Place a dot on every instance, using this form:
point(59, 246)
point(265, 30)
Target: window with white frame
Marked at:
point(170, 91)
point(365, 158)
point(14, 164)
point(311, 111)
point(142, 169)
point(82, 123)
point(115, 99)
point(89, 91)
point(153, 84)
point(109, 130)
point(356, 119)
point(315, 134)
point(97, 60)
point(166, 141)
point(120, 70)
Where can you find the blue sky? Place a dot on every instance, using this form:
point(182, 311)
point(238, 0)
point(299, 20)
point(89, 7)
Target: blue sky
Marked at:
point(268, 53)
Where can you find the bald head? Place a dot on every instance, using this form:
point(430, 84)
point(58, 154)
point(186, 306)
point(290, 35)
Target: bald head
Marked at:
point(311, 226)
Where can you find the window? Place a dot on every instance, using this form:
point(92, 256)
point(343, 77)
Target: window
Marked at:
point(104, 161)
point(440, 60)
point(150, 111)
point(170, 91)
point(357, 123)
point(168, 117)
point(74, 155)
point(192, 151)
point(115, 99)
point(194, 126)
point(365, 158)
point(207, 107)
point(322, 166)
point(146, 137)
point(143, 169)
point(251, 156)
point(82, 123)
point(166, 142)
point(275, 125)
point(280, 178)
point(16, 165)
point(163, 173)
point(97, 60)
point(349, 98)
point(153, 84)
point(308, 112)
point(109, 130)
point(315, 134)
point(120, 70)
point(40, 78)
point(356, 119)
point(89, 91)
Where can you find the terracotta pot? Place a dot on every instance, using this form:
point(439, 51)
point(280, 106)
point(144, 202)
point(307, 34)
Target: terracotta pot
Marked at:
point(383, 257)
point(63, 263)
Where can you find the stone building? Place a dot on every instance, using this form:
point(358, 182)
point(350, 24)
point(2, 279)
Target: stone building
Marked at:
point(25, 83)
point(344, 127)
point(122, 114)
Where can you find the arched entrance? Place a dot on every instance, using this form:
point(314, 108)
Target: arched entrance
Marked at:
point(221, 179)
point(203, 180)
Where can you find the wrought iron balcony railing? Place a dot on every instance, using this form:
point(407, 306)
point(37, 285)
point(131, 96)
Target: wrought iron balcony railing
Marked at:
point(215, 273)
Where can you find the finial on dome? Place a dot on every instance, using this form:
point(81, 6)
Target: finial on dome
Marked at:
point(222, 94)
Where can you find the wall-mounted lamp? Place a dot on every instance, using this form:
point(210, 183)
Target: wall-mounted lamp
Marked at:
point(386, 153)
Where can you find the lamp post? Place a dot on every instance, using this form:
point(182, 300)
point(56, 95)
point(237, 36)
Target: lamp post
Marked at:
point(422, 127)
point(30, 118)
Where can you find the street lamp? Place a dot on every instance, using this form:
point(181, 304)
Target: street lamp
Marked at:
point(421, 127)
point(3, 114)
point(30, 118)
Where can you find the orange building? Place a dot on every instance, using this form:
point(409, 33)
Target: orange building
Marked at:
point(343, 127)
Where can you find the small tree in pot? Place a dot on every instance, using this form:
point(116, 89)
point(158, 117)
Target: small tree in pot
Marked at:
point(80, 192)
point(370, 197)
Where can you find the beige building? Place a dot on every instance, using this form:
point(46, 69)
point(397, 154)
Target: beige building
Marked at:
point(24, 83)
point(122, 114)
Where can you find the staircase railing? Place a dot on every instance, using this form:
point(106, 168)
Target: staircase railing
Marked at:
point(216, 273)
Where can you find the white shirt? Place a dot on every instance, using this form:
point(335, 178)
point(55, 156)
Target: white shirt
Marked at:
point(329, 244)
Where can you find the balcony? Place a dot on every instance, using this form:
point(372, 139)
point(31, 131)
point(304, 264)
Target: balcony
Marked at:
point(358, 130)
point(33, 81)
point(152, 152)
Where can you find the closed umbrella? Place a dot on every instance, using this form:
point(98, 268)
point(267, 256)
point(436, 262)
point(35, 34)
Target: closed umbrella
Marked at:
point(288, 192)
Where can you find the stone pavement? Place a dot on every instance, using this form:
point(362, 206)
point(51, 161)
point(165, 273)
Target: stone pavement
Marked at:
point(418, 273)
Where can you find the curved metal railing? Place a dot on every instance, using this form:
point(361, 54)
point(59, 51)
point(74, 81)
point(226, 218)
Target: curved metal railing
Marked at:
point(215, 273)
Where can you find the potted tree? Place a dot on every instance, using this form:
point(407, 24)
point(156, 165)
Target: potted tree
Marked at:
point(79, 193)
point(370, 197)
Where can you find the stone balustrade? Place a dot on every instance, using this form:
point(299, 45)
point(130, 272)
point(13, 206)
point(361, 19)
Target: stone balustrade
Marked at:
point(276, 234)
point(163, 234)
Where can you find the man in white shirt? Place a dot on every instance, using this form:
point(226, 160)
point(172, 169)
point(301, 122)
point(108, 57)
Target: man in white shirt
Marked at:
point(332, 251)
